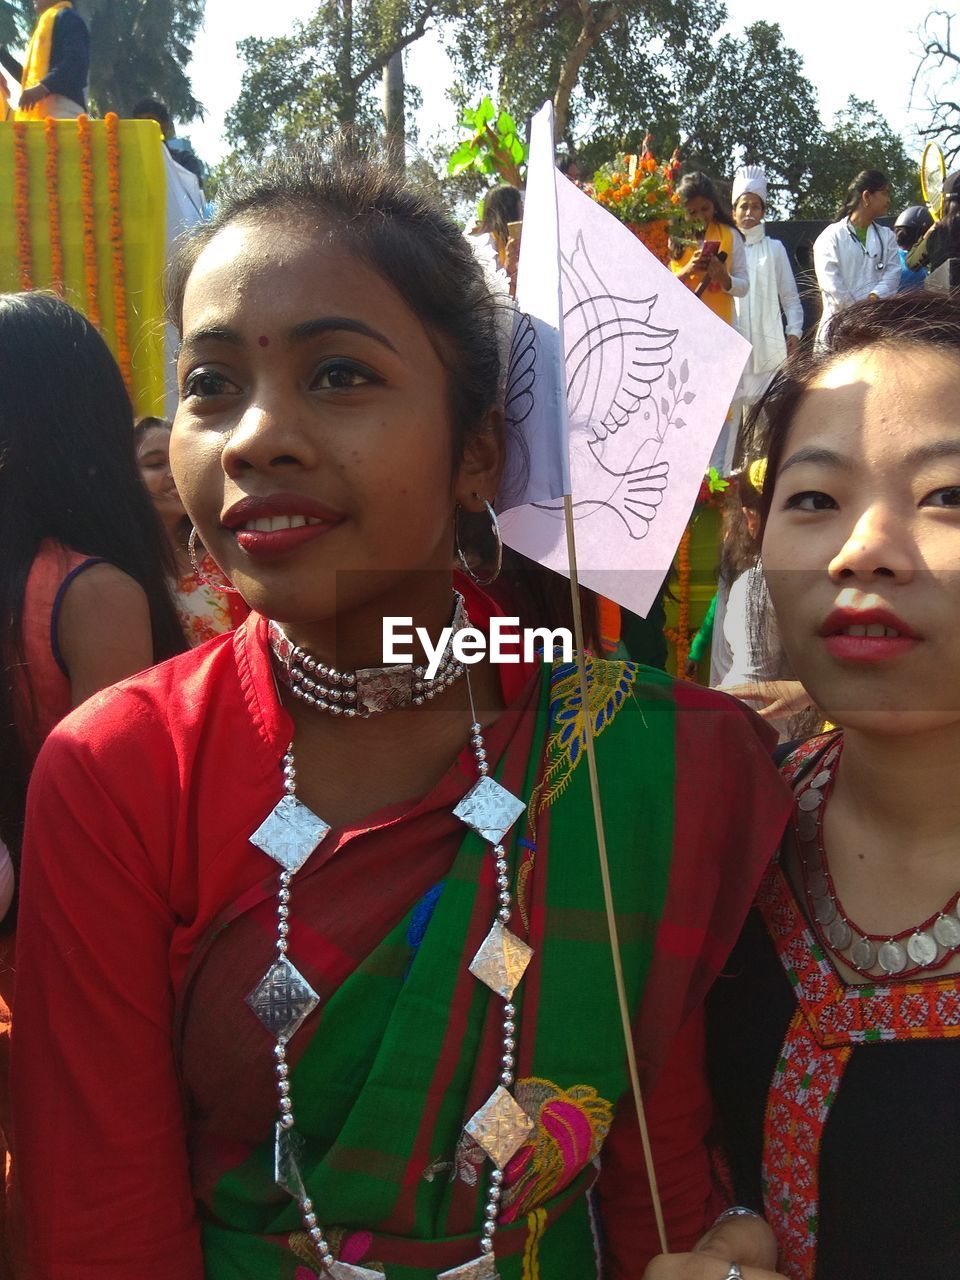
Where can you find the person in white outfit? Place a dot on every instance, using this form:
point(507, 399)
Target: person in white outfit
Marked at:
point(855, 257)
point(771, 302)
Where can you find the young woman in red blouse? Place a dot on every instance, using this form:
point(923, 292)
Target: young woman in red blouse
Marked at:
point(314, 973)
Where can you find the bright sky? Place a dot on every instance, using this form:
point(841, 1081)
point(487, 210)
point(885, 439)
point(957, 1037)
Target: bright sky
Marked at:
point(846, 49)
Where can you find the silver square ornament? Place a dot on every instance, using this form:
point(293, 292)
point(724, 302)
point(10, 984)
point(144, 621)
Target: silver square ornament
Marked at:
point(347, 1271)
point(290, 833)
point(282, 999)
point(501, 1127)
point(482, 1268)
point(383, 689)
point(287, 1149)
point(501, 961)
point(491, 810)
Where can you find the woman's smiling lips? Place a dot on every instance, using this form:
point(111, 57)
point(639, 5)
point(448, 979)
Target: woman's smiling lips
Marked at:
point(280, 522)
point(867, 635)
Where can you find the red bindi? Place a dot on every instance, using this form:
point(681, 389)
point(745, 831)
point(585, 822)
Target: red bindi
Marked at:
point(264, 341)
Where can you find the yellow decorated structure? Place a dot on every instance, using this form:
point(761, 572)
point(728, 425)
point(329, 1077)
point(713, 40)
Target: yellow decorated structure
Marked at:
point(83, 212)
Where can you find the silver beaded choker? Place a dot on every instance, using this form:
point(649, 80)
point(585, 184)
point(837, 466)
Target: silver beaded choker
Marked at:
point(283, 999)
point(369, 690)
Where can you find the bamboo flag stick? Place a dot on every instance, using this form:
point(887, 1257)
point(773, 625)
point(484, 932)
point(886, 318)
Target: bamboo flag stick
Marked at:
point(605, 876)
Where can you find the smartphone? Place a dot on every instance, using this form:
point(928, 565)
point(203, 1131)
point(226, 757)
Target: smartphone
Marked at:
point(709, 249)
point(514, 229)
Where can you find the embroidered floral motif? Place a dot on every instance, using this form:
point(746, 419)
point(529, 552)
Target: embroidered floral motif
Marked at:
point(608, 684)
point(571, 1126)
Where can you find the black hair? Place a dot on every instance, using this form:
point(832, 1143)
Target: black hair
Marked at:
point(153, 108)
point(69, 473)
point(143, 425)
point(741, 548)
point(395, 229)
point(501, 206)
point(696, 184)
point(868, 180)
point(913, 319)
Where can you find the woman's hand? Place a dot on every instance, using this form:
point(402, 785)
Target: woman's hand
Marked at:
point(778, 698)
point(695, 267)
point(747, 1241)
point(717, 273)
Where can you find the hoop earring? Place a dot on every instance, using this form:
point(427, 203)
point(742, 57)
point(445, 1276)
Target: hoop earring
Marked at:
point(498, 548)
point(225, 586)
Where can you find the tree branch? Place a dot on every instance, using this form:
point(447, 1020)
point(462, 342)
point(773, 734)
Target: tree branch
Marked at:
point(376, 64)
point(594, 22)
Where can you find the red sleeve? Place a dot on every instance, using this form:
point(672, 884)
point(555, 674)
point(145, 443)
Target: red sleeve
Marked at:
point(100, 1152)
point(679, 1113)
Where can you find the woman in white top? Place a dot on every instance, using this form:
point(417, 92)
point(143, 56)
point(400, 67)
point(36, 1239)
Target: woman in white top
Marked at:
point(854, 257)
point(772, 300)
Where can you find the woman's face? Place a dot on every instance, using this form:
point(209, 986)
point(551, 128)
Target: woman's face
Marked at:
point(153, 459)
point(862, 545)
point(312, 444)
point(876, 203)
point(701, 210)
point(748, 211)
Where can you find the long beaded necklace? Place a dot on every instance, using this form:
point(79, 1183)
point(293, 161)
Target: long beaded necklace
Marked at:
point(283, 998)
point(929, 945)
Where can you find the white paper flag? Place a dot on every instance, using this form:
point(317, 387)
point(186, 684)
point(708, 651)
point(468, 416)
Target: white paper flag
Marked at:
point(649, 374)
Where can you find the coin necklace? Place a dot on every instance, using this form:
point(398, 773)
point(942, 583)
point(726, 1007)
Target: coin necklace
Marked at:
point(925, 947)
point(283, 999)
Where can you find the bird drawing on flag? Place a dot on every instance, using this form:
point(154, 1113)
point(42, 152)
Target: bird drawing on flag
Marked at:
point(615, 359)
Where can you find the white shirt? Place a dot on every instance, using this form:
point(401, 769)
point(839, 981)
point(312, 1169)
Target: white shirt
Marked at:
point(772, 288)
point(737, 267)
point(848, 270)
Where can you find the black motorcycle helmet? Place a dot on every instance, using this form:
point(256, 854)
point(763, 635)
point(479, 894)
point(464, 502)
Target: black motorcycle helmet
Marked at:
point(914, 222)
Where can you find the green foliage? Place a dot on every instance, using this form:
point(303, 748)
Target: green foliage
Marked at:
point(860, 138)
point(325, 73)
point(140, 49)
point(755, 106)
point(493, 147)
point(16, 22)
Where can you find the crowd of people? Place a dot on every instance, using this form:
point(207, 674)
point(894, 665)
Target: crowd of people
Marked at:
point(308, 956)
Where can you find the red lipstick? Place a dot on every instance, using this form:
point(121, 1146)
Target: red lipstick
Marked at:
point(277, 523)
point(867, 635)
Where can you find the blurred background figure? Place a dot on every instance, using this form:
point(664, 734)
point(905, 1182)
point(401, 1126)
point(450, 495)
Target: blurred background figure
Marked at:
point(180, 148)
point(496, 237)
point(83, 567)
point(855, 257)
point(771, 302)
point(942, 240)
point(53, 77)
point(204, 610)
point(909, 228)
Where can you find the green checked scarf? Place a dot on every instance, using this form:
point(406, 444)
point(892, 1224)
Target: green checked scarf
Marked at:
point(407, 1046)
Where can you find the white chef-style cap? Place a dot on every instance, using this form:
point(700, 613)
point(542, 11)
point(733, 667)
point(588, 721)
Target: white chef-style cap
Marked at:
point(751, 179)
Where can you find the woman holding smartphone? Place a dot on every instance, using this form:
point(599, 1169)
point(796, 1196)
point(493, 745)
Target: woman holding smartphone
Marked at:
point(716, 269)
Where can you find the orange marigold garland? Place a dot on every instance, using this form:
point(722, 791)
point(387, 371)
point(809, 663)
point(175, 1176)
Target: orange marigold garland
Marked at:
point(117, 268)
point(21, 204)
point(52, 172)
point(679, 636)
point(90, 274)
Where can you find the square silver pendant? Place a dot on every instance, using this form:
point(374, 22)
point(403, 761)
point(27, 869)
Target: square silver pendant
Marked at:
point(491, 810)
point(383, 689)
point(501, 961)
point(347, 1271)
point(501, 1127)
point(287, 1149)
point(282, 999)
point(482, 1268)
point(290, 833)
